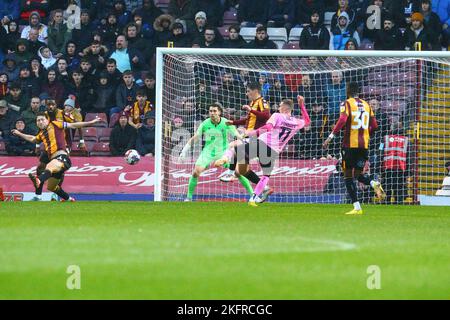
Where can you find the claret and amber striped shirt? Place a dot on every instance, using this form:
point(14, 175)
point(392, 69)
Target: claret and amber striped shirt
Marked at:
point(53, 137)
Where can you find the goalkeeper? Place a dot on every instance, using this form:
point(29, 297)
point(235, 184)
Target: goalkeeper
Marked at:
point(215, 133)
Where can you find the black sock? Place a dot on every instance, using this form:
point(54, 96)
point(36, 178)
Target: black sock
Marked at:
point(61, 193)
point(365, 178)
point(351, 189)
point(232, 166)
point(44, 176)
point(252, 176)
point(39, 189)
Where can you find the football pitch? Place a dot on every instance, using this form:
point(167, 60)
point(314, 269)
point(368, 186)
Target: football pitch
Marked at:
point(137, 250)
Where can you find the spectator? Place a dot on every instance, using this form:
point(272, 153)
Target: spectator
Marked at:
point(16, 146)
point(264, 83)
point(145, 141)
point(62, 73)
point(230, 94)
point(10, 67)
point(35, 23)
point(53, 87)
point(376, 153)
point(252, 13)
point(72, 14)
point(336, 90)
point(16, 99)
point(82, 91)
point(144, 28)
point(183, 10)
point(71, 55)
point(291, 80)
point(316, 134)
point(402, 11)
point(4, 90)
point(138, 109)
point(46, 56)
point(58, 34)
point(305, 10)
point(351, 44)
point(88, 71)
point(111, 30)
point(213, 10)
point(44, 100)
point(179, 38)
point(22, 54)
point(104, 94)
point(95, 54)
point(390, 37)
point(341, 32)
point(149, 12)
point(442, 8)
point(122, 14)
point(126, 92)
point(262, 40)
point(307, 90)
point(127, 58)
point(342, 7)
point(277, 93)
point(149, 86)
point(417, 37)
point(137, 42)
point(210, 39)
point(315, 35)
point(12, 36)
point(82, 37)
point(197, 33)
point(235, 40)
point(123, 136)
point(204, 99)
point(30, 86)
point(431, 20)
point(162, 29)
point(374, 18)
point(281, 14)
point(7, 118)
point(133, 5)
point(30, 114)
point(9, 11)
point(34, 44)
point(114, 75)
point(37, 70)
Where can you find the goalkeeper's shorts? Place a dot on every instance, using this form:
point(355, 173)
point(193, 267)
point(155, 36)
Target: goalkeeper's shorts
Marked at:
point(206, 158)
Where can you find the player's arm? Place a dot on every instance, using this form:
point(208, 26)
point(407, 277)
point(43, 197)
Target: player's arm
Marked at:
point(373, 124)
point(270, 124)
point(235, 133)
point(77, 125)
point(305, 115)
point(339, 125)
point(24, 136)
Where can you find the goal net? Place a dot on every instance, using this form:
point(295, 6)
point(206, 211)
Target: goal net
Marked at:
point(409, 95)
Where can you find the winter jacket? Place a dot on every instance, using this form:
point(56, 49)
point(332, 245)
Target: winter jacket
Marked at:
point(29, 117)
point(13, 73)
point(389, 40)
point(213, 10)
point(264, 44)
point(145, 141)
point(183, 9)
point(10, 9)
point(104, 98)
point(253, 11)
point(34, 5)
point(58, 37)
point(122, 139)
point(149, 16)
point(340, 36)
point(16, 146)
point(442, 8)
point(125, 96)
point(429, 42)
point(316, 37)
point(7, 122)
point(55, 90)
point(162, 35)
point(278, 9)
point(236, 44)
point(23, 57)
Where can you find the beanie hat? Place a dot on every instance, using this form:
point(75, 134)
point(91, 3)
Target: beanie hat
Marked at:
point(70, 103)
point(417, 16)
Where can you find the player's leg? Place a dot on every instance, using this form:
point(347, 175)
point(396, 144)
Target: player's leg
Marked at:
point(193, 180)
point(361, 158)
point(53, 185)
point(43, 161)
point(230, 175)
point(348, 164)
point(266, 157)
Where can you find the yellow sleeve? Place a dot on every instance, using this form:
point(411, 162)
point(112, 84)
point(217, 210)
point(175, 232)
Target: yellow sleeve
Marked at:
point(38, 138)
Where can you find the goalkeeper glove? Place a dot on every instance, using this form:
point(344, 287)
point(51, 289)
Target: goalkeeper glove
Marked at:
point(184, 152)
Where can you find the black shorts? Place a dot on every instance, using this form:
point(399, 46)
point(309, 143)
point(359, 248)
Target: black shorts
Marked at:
point(255, 148)
point(354, 158)
point(64, 158)
point(43, 158)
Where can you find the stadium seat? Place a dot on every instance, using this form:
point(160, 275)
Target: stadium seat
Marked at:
point(248, 33)
point(280, 44)
point(230, 17)
point(113, 119)
point(104, 134)
point(102, 116)
point(75, 151)
point(277, 34)
point(89, 134)
point(3, 148)
point(224, 32)
point(371, 91)
point(294, 35)
point(394, 106)
point(398, 91)
point(328, 16)
point(100, 149)
point(366, 45)
point(291, 46)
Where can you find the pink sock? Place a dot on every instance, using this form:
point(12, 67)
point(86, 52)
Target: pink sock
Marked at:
point(261, 185)
point(229, 154)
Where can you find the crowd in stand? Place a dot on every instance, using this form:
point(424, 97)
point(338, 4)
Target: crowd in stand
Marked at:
point(100, 54)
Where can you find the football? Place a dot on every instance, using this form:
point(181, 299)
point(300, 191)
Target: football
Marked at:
point(132, 156)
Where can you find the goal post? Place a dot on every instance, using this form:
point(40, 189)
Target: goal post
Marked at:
point(409, 90)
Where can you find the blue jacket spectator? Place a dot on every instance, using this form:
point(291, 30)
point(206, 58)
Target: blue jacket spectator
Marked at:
point(342, 32)
point(127, 58)
point(9, 10)
point(252, 12)
point(337, 93)
point(121, 12)
point(10, 67)
point(281, 13)
point(442, 8)
point(145, 141)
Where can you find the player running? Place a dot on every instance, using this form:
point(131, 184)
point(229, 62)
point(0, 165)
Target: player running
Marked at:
point(272, 138)
point(258, 114)
point(215, 133)
point(359, 122)
point(52, 134)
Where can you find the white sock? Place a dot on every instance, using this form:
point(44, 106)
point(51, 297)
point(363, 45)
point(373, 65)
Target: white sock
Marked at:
point(373, 183)
point(357, 206)
point(266, 188)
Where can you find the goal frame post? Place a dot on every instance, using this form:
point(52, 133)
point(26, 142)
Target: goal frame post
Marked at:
point(161, 51)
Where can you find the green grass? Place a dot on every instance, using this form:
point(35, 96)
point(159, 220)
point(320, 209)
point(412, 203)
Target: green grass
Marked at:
point(222, 251)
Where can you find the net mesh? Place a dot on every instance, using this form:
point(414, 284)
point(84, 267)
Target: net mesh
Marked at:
point(410, 98)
